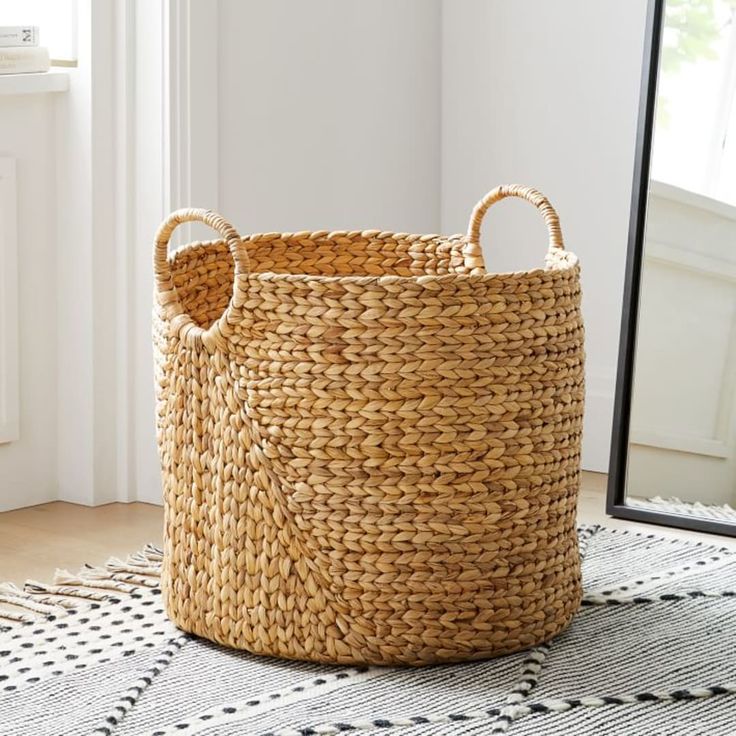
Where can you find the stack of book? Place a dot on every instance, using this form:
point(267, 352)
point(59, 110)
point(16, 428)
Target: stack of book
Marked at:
point(20, 52)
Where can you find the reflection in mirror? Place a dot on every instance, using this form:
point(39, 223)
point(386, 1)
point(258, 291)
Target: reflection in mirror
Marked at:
point(682, 431)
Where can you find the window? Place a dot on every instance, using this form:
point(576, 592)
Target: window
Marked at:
point(695, 128)
point(56, 20)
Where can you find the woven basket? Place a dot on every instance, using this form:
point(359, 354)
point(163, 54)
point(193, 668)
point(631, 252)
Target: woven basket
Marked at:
point(369, 446)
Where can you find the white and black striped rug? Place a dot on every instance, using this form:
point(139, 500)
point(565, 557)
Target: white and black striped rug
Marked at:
point(652, 651)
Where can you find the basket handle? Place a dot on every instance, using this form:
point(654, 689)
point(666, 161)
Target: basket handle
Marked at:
point(161, 264)
point(472, 251)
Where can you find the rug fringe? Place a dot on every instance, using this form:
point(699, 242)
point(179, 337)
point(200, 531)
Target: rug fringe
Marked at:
point(107, 579)
point(36, 601)
point(12, 595)
point(150, 555)
point(60, 595)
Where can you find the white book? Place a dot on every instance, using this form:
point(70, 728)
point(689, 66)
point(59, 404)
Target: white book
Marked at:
point(18, 35)
point(24, 59)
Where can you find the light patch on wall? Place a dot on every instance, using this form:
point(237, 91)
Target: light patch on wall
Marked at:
point(9, 385)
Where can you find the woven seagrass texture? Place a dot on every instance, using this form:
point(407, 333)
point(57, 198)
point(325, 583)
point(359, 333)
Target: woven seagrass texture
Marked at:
point(369, 446)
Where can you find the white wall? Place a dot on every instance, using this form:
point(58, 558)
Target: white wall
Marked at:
point(91, 274)
point(330, 114)
point(546, 94)
point(396, 114)
point(325, 115)
point(28, 466)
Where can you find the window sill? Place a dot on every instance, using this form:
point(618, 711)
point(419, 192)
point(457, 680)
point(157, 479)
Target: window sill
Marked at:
point(31, 84)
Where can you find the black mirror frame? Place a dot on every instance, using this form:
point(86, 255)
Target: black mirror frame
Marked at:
point(616, 497)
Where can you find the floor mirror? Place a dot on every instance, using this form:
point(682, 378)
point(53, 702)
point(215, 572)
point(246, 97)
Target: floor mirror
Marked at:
point(673, 458)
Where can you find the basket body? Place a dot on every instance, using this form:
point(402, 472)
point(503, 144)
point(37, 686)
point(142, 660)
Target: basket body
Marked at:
point(374, 457)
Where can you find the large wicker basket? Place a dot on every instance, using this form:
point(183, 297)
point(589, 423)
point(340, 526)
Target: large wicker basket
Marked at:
point(369, 446)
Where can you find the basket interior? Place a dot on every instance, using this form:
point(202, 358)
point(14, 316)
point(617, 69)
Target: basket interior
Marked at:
point(203, 272)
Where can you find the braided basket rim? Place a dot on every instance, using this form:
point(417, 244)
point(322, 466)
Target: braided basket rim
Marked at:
point(563, 261)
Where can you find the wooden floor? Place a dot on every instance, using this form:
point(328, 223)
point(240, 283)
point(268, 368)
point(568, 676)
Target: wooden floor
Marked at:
point(37, 540)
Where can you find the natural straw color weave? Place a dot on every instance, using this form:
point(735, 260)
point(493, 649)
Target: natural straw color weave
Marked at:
point(369, 446)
